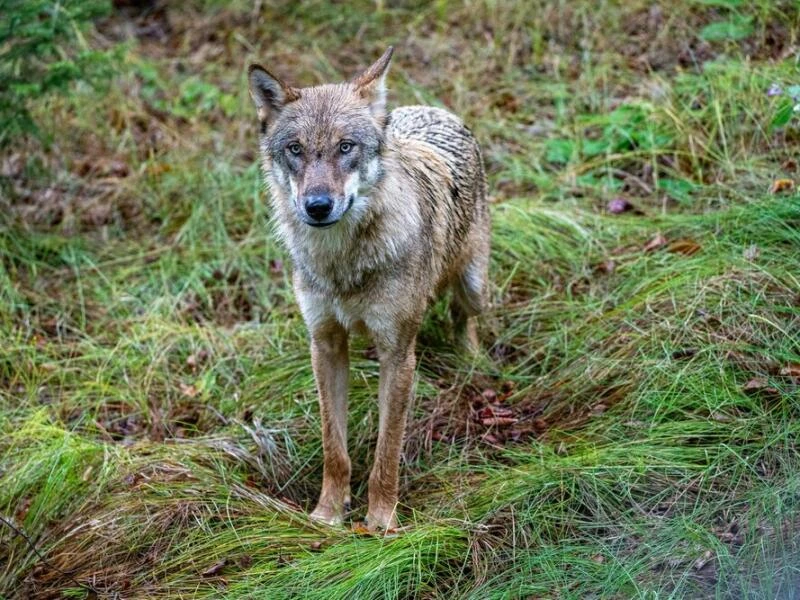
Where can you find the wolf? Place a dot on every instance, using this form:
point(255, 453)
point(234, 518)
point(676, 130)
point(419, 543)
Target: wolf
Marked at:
point(381, 212)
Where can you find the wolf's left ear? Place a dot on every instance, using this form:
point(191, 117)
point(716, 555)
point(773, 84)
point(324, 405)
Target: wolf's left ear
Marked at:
point(269, 93)
point(371, 85)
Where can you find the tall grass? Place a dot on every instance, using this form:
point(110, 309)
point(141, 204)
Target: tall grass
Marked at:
point(159, 433)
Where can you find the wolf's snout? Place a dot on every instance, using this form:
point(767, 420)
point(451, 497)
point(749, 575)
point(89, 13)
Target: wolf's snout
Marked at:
point(318, 207)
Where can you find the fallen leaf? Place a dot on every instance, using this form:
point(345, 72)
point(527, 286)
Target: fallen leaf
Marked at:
point(195, 359)
point(687, 247)
point(618, 206)
point(276, 266)
point(607, 266)
point(116, 168)
point(498, 410)
point(781, 185)
point(507, 101)
point(792, 370)
point(361, 529)
point(759, 385)
point(498, 421)
point(489, 395)
point(190, 391)
point(159, 168)
point(756, 383)
point(215, 569)
point(490, 439)
point(438, 436)
point(22, 510)
point(245, 561)
point(657, 242)
point(539, 424)
point(492, 411)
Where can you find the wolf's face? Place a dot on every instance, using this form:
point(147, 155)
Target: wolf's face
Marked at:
point(322, 144)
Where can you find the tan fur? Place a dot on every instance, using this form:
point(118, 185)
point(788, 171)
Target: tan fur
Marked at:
point(412, 221)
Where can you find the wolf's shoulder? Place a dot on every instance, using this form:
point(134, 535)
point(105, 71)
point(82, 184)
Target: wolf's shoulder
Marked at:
point(436, 126)
point(419, 117)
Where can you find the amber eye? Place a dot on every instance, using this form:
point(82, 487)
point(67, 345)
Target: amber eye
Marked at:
point(295, 148)
point(345, 147)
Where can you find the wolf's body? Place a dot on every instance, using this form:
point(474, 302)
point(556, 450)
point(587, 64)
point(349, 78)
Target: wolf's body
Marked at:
point(424, 227)
point(408, 191)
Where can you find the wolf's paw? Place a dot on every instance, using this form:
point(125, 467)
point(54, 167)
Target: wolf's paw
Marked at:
point(325, 514)
point(381, 519)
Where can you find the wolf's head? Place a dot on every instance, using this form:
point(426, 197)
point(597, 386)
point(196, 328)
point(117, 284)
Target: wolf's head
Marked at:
point(322, 144)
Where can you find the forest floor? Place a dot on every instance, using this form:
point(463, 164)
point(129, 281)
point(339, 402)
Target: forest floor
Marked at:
point(630, 429)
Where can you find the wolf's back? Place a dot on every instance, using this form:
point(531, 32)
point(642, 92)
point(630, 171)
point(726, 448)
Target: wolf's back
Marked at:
point(443, 159)
point(443, 132)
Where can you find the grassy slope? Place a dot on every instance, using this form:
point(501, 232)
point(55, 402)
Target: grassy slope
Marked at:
point(159, 427)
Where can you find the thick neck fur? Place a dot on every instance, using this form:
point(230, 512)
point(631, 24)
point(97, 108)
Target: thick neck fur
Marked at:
point(373, 239)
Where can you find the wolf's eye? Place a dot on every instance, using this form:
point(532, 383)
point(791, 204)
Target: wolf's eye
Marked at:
point(295, 148)
point(345, 147)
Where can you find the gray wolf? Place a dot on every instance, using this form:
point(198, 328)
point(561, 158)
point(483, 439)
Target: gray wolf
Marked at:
point(381, 212)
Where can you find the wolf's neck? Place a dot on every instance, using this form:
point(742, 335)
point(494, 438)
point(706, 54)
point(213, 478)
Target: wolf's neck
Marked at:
point(354, 255)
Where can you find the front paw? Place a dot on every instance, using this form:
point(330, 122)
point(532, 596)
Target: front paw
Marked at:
point(327, 515)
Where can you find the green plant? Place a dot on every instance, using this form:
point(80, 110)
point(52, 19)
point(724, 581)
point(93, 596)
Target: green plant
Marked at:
point(42, 51)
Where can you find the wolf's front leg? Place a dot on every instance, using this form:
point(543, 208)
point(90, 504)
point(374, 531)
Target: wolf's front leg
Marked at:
point(394, 396)
point(331, 364)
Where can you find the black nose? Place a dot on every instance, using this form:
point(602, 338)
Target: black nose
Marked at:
point(318, 207)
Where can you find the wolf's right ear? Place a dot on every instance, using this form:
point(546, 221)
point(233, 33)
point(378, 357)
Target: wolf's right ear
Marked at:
point(371, 85)
point(269, 93)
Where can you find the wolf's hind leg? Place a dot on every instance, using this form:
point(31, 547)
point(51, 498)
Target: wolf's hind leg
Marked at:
point(469, 300)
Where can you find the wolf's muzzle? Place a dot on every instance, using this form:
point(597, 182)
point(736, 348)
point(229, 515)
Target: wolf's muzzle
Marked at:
point(322, 211)
point(318, 207)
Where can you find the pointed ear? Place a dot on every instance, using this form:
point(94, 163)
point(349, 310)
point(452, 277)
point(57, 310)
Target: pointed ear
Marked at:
point(269, 93)
point(371, 85)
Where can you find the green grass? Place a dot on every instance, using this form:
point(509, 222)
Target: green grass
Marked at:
point(159, 433)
